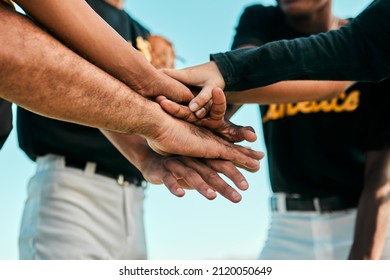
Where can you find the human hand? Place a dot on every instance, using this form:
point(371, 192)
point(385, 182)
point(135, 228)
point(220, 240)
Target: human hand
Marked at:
point(206, 77)
point(215, 120)
point(178, 173)
point(160, 84)
point(163, 56)
point(174, 136)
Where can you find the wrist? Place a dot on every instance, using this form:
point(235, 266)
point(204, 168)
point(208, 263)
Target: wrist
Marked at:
point(218, 80)
point(144, 80)
point(153, 121)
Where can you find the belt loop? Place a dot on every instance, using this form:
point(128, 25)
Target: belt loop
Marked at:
point(90, 168)
point(121, 181)
point(317, 205)
point(281, 202)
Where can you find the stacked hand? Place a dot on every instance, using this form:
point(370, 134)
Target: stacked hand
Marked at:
point(179, 172)
point(194, 142)
point(206, 110)
point(211, 116)
point(206, 77)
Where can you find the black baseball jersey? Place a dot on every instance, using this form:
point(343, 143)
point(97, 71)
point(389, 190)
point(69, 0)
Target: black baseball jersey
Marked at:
point(5, 120)
point(317, 148)
point(361, 50)
point(39, 136)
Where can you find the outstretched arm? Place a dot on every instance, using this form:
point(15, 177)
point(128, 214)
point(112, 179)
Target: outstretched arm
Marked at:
point(77, 25)
point(289, 91)
point(207, 77)
point(374, 208)
point(42, 75)
point(359, 51)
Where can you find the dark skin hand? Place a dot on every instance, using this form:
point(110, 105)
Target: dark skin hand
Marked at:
point(179, 172)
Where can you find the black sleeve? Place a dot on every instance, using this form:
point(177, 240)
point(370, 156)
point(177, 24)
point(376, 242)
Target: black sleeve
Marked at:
point(359, 51)
point(377, 116)
point(5, 121)
point(250, 28)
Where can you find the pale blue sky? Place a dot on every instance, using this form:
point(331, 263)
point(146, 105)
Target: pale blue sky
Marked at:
point(177, 228)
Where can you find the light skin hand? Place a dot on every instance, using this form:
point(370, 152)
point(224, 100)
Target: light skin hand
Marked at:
point(206, 77)
point(178, 173)
point(214, 121)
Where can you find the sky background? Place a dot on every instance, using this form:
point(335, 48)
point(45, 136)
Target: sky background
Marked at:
point(177, 228)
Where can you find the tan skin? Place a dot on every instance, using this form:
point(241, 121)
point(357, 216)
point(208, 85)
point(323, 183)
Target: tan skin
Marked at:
point(116, 3)
point(373, 213)
point(177, 172)
point(374, 208)
point(75, 23)
point(87, 95)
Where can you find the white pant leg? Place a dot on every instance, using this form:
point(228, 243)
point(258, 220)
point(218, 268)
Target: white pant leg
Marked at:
point(335, 233)
point(72, 215)
point(289, 237)
point(310, 235)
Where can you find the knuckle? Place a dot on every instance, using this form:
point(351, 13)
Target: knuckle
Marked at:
point(212, 176)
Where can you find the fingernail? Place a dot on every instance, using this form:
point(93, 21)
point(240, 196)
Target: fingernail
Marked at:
point(200, 113)
point(236, 195)
point(244, 184)
point(210, 191)
point(194, 107)
point(250, 128)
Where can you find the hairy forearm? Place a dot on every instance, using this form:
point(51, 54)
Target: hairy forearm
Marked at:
point(289, 91)
point(41, 75)
point(78, 26)
point(374, 208)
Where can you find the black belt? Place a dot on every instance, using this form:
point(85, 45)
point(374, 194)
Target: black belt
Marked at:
point(120, 178)
point(293, 202)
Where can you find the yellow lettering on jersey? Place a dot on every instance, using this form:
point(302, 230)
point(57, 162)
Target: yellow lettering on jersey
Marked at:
point(291, 109)
point(352, 101)
point(275, 111)
point(341, 103)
